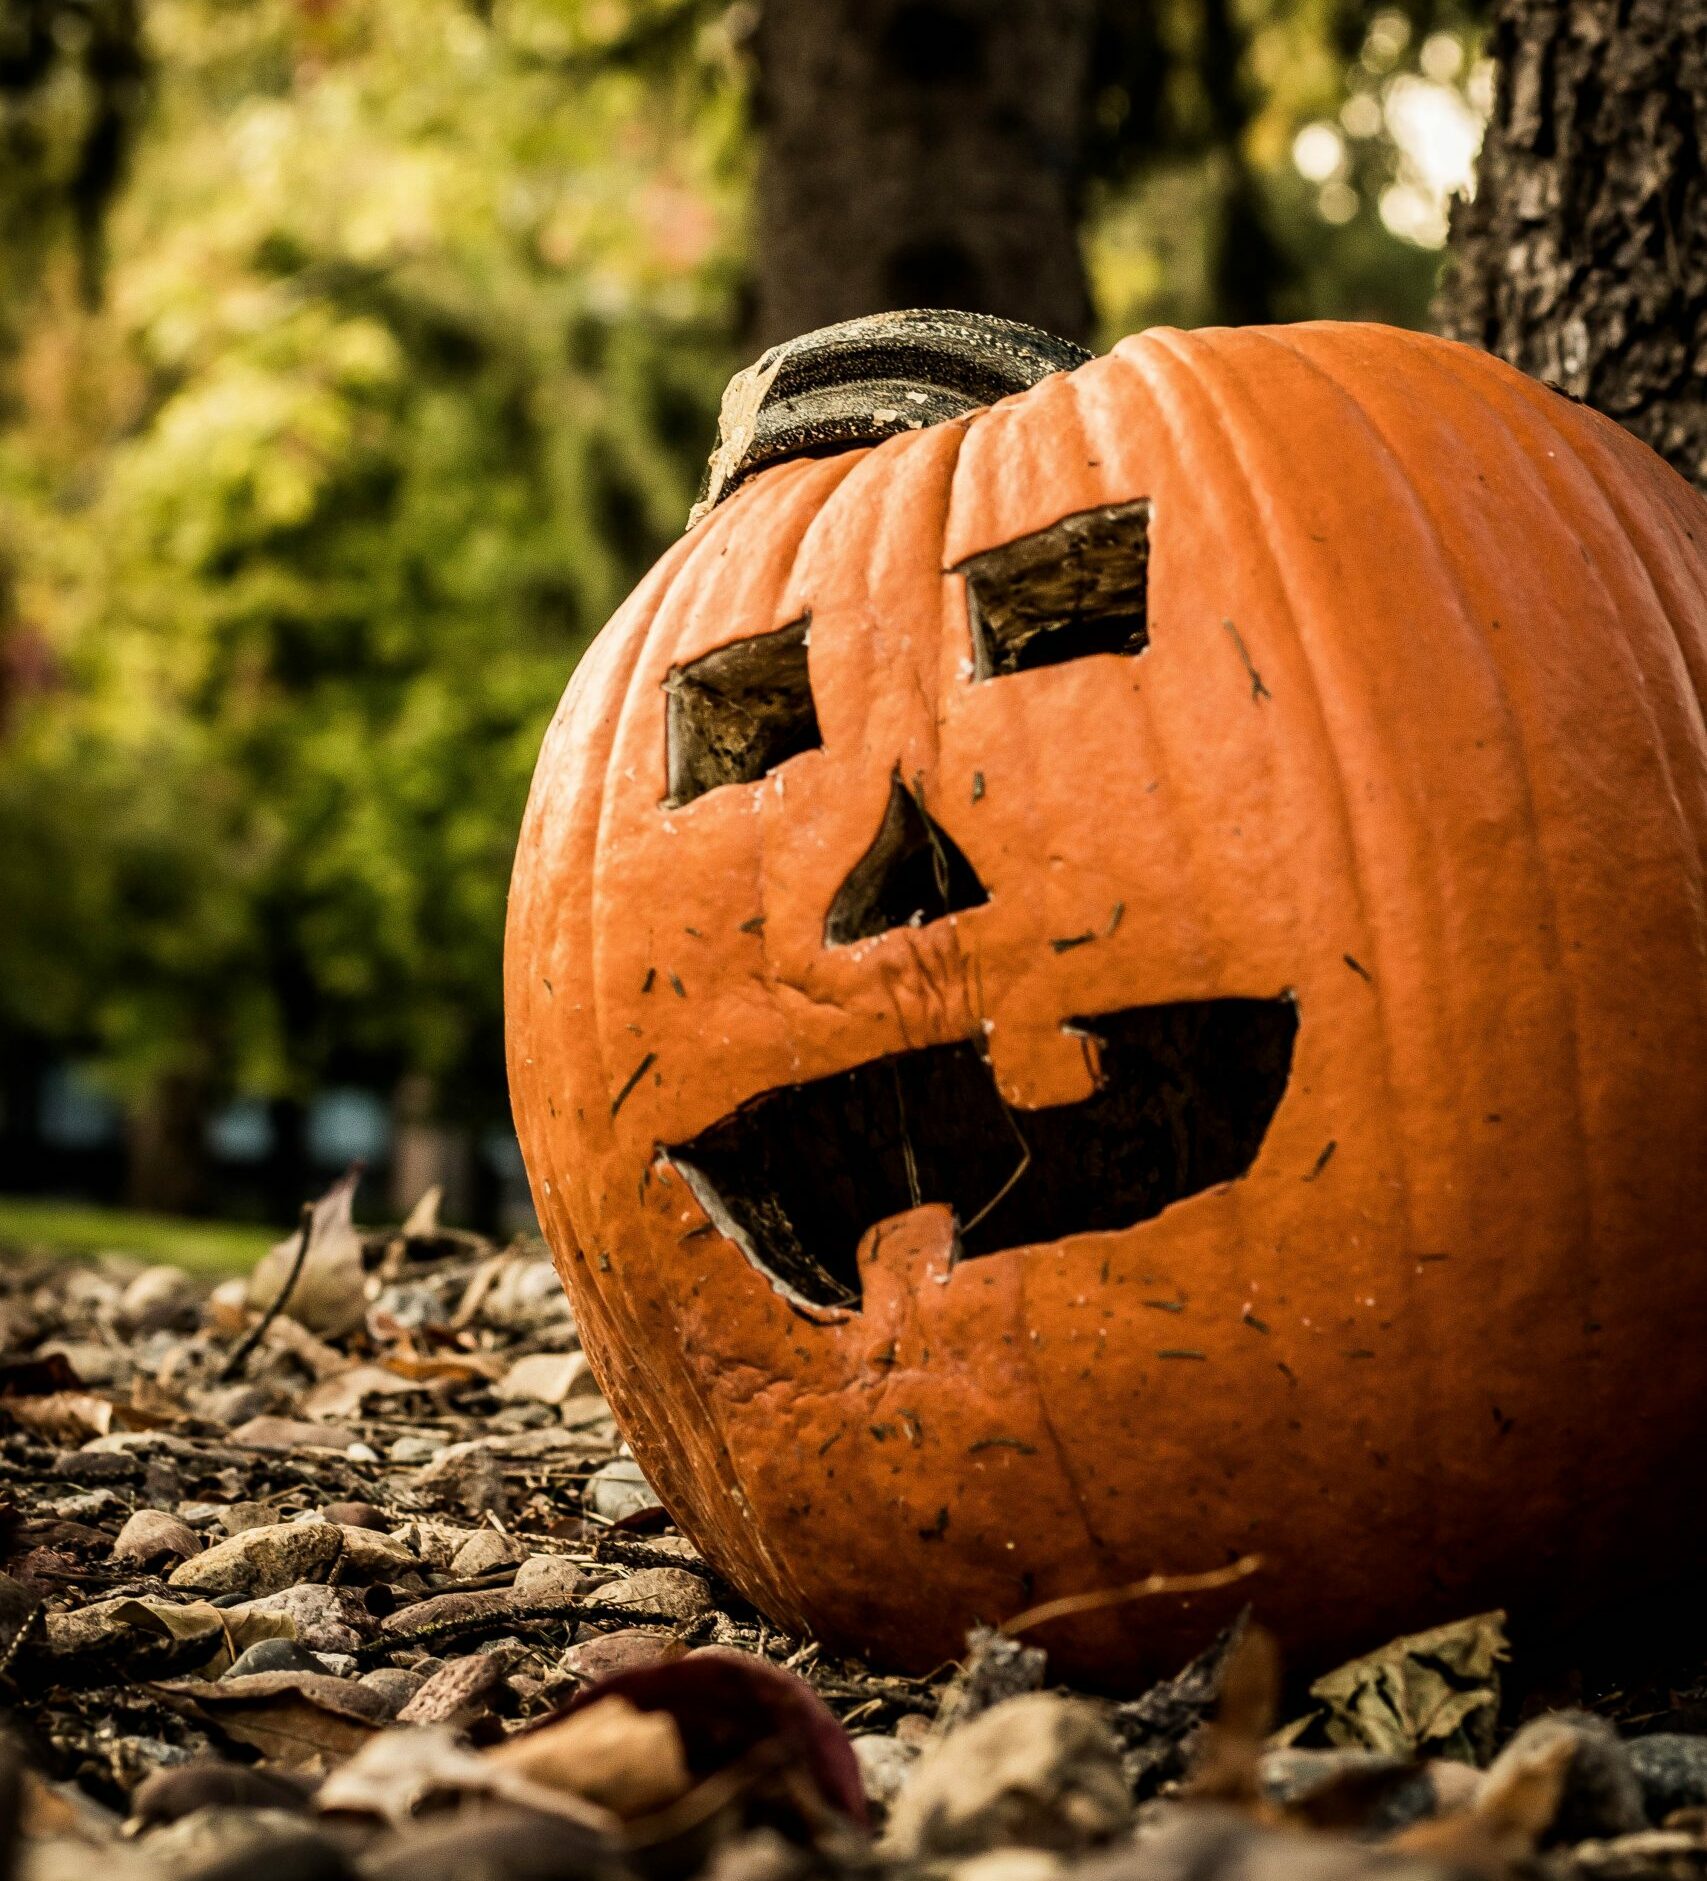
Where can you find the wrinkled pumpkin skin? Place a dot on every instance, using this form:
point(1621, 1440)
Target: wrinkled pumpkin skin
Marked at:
point(1418, 737)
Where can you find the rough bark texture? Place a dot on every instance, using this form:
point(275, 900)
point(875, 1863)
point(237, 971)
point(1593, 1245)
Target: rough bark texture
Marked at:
point(1583, 258)
point(921, 153)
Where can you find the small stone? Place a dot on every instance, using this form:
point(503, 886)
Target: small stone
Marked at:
point(151, 1536)
point(226, 1309)
point(219, 1843)
point(619, 1490)
point(1671, 1767)
point(357, 1515)
point(274, 1655)
point(395, 1684)
point(370, 1556)
point(550, 1580)
point(547, 1378)
point(486, 1550)
point(231, 1405)
point(96, 1365)
point(883, 1766)
point(673, 1593)
point(416, 1449)
point(676, 1545)
point(1008, 1864)
point(1602, 1795)
point(1039, 1771)
point(1385, 1792)
point(601, 1655)
point(208, 1783)
point(341, 1665)
point(762, 1855)
point(264, 1560)
point(467, 1478)
point(292, 1434)
point(158, 1299)
point(240, 1517)
point(327, 1619)
point(459, 1693)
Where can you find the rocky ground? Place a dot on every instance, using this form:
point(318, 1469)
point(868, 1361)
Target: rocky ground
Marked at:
point(367, 1586)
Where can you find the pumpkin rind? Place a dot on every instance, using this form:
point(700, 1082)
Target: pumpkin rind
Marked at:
point(1418, 739)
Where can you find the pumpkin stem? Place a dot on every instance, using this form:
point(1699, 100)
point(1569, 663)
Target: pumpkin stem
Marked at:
point(861, 381)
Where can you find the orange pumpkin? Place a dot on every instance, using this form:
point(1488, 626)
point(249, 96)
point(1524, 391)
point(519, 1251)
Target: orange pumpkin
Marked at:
point(1121, 981)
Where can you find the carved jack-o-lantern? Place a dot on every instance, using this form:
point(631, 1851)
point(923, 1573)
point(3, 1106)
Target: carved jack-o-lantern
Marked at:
point(1120, 981)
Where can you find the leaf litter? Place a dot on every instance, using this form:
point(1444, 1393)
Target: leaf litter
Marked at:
point(343, 1569)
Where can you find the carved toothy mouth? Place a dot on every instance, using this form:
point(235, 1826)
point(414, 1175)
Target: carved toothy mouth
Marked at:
point(1185, 1094)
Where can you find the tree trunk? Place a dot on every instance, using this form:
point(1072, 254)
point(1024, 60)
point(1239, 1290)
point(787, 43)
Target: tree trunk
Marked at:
point(1583, 258)
point(921, 153)
point(168, 1161)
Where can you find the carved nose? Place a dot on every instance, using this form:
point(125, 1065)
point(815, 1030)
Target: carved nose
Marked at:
point(913, 873)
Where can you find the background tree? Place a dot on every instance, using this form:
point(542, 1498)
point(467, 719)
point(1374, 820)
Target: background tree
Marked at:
point(1583, 257)
point(1088, 165)
point(413, 319)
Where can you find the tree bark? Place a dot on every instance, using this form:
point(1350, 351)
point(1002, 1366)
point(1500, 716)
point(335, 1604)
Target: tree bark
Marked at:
point(921, 153)
point(1583, 257)
point(168, 1160)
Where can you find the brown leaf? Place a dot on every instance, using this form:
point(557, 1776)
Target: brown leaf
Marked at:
point(629, 1761)
point(349, 1392)
point(330, 1292)
point(292, 1718)
point(1226, 1754)
point(1435, 1693)
point(68, 1418)
point(726, 1705)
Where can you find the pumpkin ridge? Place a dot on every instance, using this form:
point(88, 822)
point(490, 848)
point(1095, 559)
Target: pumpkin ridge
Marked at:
point(1531, 821)
point(1570, 475)
point(1589, 462)
point(1693, 691)
point(1566, 999)
point(1210, 370)
point(1184, 355)
point(805, 501)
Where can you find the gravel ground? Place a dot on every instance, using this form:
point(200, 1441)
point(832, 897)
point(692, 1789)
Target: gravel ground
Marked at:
point(368, 1586)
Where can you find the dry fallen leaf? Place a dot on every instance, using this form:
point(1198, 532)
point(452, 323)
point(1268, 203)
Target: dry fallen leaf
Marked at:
point(329, 1296)
point(292, 1718)
point(1435, 1693)
point(629, 1761)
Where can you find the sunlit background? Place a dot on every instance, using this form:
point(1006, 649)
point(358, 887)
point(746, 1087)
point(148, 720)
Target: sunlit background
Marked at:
point(355, 357)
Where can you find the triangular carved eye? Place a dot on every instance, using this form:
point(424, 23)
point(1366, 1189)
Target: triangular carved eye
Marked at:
point(738, 712)
point(1077, 588)
point(913, 872)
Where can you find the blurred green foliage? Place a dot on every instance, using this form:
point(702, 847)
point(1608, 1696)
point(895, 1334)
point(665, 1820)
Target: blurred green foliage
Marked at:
point(413, 331)
point(411, 324)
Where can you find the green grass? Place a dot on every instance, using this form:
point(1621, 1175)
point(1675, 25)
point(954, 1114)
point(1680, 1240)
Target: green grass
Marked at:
point(203, 1247)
